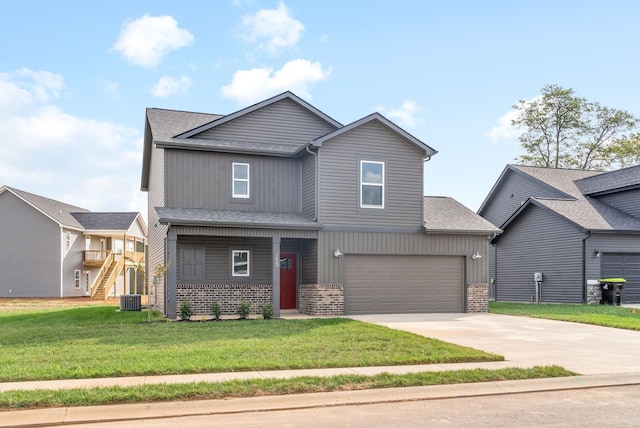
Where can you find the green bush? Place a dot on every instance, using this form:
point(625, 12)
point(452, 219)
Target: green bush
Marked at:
point(216, 310)
point(267, 311)
point(244, 309)
point(186, 310)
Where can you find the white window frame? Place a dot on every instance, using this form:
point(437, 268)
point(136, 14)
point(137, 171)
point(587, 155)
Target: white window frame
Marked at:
point(233, 258)
point(366, 183)
point(76, 278)
point(235, 180)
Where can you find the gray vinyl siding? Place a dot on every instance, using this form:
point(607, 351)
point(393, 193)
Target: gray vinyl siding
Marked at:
point(512, 193)
point(339, 166)
point(157, 232)
point(309, 261)
point(283, 122)
point(204, 180)
point(330, 268)
point(73, 258)
point(218, 259)
point(628, 201)
point(608, 243)
point(29, 251)
point(540, 242)
point(309, 186)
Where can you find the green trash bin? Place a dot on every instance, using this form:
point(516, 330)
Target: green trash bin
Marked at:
point(612, 290)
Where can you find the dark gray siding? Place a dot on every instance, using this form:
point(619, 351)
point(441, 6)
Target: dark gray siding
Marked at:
point(628, 201)
point(309, 261)
point(203, 180)
point(540, 242)
point(514, 190)
point(339, 163)
point(331, 269)
point(29, 251)
point(309, 186)
point(282, 122)
point(218, 259)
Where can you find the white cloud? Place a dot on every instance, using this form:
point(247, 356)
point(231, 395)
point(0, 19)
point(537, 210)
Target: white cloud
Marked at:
point(407, 114)
point(168, 85)
point(146, 40)
point(253, 85)
point(85, 162)
point(272, 30)
point(504, 130)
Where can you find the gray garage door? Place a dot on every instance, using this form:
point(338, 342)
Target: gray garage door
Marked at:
point(376, 284)
point(625, 266)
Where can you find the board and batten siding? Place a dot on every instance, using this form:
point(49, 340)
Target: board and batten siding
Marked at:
point(30, 249)
point(309, 261)
point(331, 268)
point(514, 190)
point(540, 242)
point(156, 251)
point(197, 179)
point(628, 201)
point(284, 122)
point(339, 169)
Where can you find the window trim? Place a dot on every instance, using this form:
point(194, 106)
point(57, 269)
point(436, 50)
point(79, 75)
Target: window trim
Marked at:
point(235, 180)
point(363, 183)
point(233, 270)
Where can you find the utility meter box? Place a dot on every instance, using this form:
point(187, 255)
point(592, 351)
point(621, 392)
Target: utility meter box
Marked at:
point(537, 276)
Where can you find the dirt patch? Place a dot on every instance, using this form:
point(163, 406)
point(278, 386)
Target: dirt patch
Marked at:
point(20, 304)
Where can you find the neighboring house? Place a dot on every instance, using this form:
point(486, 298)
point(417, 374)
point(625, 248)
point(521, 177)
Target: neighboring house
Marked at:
point(280, 204)
point(52, 249)
point(573, 226)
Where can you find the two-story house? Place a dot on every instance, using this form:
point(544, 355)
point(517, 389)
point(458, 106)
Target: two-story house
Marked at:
point(571, 227)
point(279, 203)
point(52, 249)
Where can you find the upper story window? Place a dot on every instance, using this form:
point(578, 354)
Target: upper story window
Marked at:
point(240, 180)
point(371, 184)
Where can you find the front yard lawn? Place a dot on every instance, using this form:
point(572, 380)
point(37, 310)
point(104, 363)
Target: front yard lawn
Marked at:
point(603, 315)
point(99, 341)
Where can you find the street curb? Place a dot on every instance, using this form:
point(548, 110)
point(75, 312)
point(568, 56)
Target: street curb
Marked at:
point(149, 411)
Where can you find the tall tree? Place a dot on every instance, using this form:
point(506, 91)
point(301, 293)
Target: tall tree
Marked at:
point(561, 130)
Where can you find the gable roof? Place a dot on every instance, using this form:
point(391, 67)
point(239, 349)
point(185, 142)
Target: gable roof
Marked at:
point(377, 117)
point(446, 215)
point(57, 211)
point(111, 221)
point(606, 182)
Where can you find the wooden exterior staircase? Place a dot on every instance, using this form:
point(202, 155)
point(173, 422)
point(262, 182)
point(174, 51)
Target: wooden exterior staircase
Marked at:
point(106, 277)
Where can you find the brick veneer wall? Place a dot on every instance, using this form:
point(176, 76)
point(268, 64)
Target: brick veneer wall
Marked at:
point(321, 299)
point(202, 296)
point(478, 298)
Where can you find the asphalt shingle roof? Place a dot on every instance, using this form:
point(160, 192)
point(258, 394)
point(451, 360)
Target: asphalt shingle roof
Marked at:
point(106, 221)
point(58, 211)
point(445, 214)
point(190, 216)
point(607, 181)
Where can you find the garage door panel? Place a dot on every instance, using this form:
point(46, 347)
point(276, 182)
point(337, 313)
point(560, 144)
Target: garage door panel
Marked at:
point(627, 266)
point(396, 284)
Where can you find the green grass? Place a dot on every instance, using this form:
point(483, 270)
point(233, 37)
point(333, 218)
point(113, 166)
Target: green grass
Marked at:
point(259, 387)
point(603, 315)
point(99, 341)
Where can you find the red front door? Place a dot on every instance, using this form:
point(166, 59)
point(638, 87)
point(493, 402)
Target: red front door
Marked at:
point(288, 279)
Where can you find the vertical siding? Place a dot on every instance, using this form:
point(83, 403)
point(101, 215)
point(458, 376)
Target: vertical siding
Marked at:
point(628, 201)
point(204, 179)
point(331, 269)
point(339, 164)
point(309, 260)
point(29, 251)
point(157, 233)
point(540, 242)
point(309, 185)
point(284, 122)
point(514, 190)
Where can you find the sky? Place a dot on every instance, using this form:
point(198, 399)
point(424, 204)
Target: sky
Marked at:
point(77, 76)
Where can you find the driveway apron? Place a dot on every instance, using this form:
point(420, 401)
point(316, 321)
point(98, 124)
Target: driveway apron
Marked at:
point(528, 342)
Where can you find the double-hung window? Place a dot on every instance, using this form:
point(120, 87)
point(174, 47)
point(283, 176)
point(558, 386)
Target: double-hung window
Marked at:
point(241, 180)
point(240, 260)
point(371, 184)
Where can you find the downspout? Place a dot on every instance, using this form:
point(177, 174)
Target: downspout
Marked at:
point(62, 241)
point(584, 266)
point(315, 167)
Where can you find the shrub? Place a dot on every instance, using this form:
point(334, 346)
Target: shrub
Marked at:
point(244, 308)
point(216, 310)
point(267, 311)
point(186, 310)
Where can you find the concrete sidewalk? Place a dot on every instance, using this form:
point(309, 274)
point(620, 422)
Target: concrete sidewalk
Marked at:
point(603, 357)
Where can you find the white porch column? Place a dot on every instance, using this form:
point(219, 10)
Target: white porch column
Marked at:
point(275, 280)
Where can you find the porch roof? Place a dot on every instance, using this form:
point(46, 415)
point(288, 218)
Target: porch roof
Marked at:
point(241, 219)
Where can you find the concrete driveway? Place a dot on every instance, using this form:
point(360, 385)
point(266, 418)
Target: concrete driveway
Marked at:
point(528, 342)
